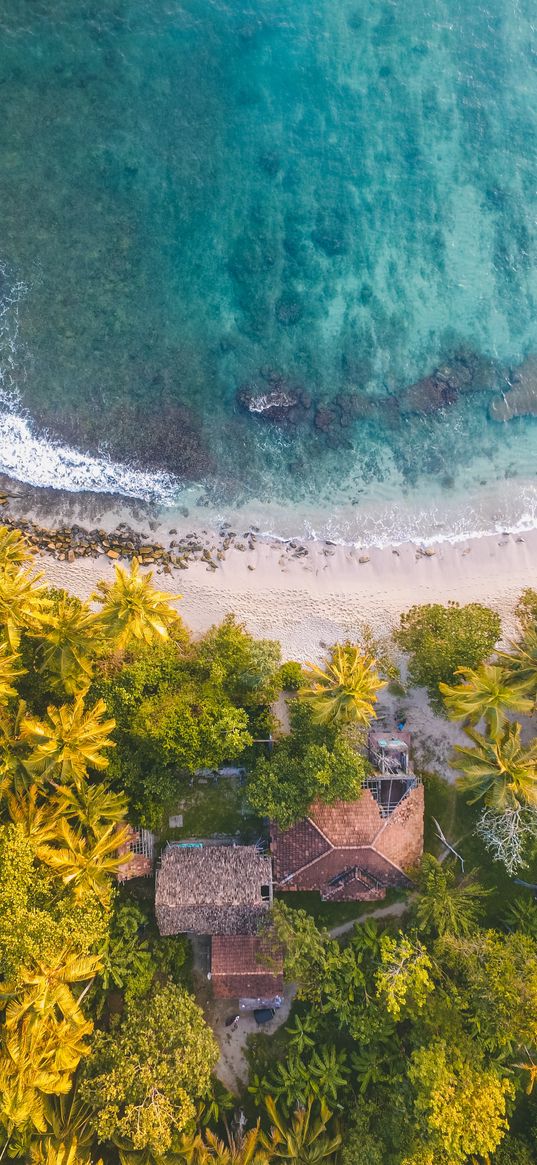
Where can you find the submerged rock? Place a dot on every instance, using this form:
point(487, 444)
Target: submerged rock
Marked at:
point(521, 399)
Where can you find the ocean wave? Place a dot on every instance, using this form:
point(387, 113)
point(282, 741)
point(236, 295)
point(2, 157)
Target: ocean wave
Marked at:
point(38, 460)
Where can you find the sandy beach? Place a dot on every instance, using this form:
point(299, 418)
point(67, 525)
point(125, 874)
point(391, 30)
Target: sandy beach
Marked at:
point(309, 600)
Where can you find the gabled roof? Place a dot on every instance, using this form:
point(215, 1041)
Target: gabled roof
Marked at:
point(350, 836)
point(213, 889)
point(246, 966)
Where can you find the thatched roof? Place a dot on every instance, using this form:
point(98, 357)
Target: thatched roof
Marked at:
point(216, 889)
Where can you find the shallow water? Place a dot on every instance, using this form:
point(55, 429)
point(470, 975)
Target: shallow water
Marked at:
point(336, 198)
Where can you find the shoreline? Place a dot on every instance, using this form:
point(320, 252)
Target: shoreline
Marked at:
point(306, 594)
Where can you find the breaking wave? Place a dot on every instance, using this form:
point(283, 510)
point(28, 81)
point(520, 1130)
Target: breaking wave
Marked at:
point(40, 461)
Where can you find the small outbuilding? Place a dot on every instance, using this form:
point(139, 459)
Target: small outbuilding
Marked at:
point(208, 888)
point(248, 968)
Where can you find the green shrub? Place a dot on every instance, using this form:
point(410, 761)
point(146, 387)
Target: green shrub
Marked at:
point(439, 639)
point(291, 676)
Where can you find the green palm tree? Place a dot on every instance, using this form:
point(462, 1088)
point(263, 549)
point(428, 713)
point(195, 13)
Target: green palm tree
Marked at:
point(14, 548)
point(490, 692)
point(68, 638)
point(68, 741)
point(90, 808)
point(22, 602)
point(444, 906)
point(132, 609)
point(10, 671)
point(499, 769)
point(305, 1139)
point(346, 690)
point(521, 661)
point(85, 864)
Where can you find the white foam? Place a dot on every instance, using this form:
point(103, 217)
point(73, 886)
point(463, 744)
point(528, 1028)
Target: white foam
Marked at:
point(39, 460)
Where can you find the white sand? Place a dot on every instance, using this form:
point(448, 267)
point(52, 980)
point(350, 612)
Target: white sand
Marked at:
point(324, 597)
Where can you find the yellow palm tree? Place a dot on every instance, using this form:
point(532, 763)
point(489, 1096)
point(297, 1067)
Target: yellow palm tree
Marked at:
point(132, 609)
point(22, 602)
point(90, 808)
point(35, 817)
point(69, 638)
point(303, 1139)
point(10, 671)
point(208, 1149)
point(14, 547)
point(489, 692)
point(69, 1136)
point(44, 988)
point(85, 864)
point(344, 691)
point(68, 741)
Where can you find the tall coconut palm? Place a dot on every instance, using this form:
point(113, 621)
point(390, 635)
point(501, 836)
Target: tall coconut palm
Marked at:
point(521, 661)
point(132, 609)
point(69, 1133)
point(498, 769)
point(85, 864)
point(304, 1139)
point(14, 548)
point(346, 690)
point(68, 741)
point(208, 1149)
point(445, 906)
point(68, 638)
point(10, 671)
point(90, 808)
point(37, 819)
point(45, 988)
point(22, 602)
point(489, 692)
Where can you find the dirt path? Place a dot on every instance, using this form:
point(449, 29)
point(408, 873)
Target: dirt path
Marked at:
point(395, 910)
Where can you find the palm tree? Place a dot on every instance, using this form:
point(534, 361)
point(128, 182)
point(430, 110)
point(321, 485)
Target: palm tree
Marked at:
point(499, 769)
point(69, 1134)
point(207, 1149)
point(90, 808)
point(444, 906)
point(10, 670)
point(68, 741)
point(85, 864)
point(521, 661)
point(489, 692)
point(37, 819)
point(45, 988)
point(14, 548)
point(346, 690)
point(132, 609)
point(22, 602)
point(304, 1140)
point(68, 641)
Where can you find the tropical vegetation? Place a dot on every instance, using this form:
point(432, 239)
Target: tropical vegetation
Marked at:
point(412, 1038)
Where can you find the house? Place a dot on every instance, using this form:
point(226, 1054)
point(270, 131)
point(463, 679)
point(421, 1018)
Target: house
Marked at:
point(248, 968)
point(356, 850)
point(207, 888)
point(139, 850)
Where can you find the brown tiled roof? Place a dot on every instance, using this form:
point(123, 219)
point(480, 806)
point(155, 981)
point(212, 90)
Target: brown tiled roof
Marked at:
point(348, 835)
point(212, 890)
point(244, 966)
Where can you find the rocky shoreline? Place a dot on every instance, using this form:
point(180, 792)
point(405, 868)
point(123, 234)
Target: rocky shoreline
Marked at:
point(68, 543)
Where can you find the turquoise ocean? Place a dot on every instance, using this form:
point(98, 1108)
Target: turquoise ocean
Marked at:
point(272, 260)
